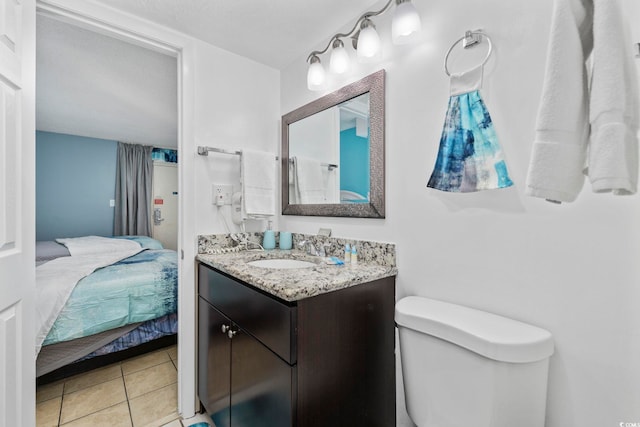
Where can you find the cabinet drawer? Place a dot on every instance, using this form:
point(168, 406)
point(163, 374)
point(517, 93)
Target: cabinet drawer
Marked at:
point(270, 321)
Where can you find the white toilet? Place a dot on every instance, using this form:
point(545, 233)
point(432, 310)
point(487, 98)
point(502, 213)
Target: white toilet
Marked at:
point(464, 367)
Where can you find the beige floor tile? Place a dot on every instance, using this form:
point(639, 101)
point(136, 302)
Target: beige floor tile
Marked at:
point(92, 399)
point(150, 379)
point(155, 408)
point(49, 391)
point(174, 423)
point(114, 416)
point(97, 376)
point(145, 361)
point(48, 412)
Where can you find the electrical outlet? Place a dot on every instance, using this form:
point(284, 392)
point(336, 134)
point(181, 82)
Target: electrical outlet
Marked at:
point(221, 194)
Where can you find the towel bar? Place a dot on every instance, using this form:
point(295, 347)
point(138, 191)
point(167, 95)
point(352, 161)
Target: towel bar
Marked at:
point(204, 151)
point(330, 166)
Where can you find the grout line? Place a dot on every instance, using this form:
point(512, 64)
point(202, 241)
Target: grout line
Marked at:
point(83, 374)
point(156, 389)
point(126, 394)
point(147, 366)
point(92, 413)
point(60, 409)
point(99, 410)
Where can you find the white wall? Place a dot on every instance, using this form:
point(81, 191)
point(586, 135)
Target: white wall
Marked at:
point(237, 107)
point(572, 269)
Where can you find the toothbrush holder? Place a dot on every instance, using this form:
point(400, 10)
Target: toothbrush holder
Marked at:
point(285, 240)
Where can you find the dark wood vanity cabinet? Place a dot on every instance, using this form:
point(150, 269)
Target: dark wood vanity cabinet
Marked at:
point(326, 360)
point(242, 373)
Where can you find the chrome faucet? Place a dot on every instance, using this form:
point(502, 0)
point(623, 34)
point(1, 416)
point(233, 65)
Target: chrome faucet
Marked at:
point(308, 247)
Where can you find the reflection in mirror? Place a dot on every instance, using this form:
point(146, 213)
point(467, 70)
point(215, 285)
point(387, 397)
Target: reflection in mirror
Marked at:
point(333, 153)
point(329, 154)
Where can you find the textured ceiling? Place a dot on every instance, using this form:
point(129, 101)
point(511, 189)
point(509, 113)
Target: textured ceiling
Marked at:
point(272, 32)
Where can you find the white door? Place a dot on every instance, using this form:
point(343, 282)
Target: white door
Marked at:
point(165, 204)
point(17, 213)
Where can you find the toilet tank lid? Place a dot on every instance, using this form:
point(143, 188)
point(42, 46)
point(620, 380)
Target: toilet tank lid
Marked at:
point(490, 335)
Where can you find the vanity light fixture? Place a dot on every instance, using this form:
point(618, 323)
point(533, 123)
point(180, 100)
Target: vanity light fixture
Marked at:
point(368, 42)
point(365, 39)
point(316, 74)
point(406, 23)
point(339, 61)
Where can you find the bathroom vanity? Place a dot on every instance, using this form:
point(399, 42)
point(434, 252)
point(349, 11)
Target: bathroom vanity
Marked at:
point(277, 349)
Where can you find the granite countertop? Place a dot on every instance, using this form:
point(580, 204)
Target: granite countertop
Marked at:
point(299, 283)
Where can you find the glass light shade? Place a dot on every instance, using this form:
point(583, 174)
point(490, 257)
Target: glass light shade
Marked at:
point(339, 61)
point(368, 42)
point(406, 22)
point(315, 75)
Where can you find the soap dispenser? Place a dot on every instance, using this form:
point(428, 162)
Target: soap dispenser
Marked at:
point(269, 238)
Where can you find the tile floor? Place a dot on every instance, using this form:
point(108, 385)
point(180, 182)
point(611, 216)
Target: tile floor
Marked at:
point(137, 392)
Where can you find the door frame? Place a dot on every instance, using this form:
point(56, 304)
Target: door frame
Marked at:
point(111, 22)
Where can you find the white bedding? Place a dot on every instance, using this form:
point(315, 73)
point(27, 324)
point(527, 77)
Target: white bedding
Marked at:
point(56, 279)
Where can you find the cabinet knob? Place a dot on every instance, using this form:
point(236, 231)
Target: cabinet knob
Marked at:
point(225, 328)
point(231, 333)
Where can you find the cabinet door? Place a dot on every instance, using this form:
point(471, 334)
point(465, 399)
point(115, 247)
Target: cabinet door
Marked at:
point(214, 363)
point(261, 385)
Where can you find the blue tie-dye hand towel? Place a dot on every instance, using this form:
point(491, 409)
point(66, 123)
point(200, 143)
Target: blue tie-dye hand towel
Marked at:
point(469, 158)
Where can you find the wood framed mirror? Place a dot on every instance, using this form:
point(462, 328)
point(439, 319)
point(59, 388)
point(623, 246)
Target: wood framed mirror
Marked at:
point(333, 153)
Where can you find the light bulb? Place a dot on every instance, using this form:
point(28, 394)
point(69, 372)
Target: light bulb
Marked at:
point(368, 41)
point(315, 74)
point(339, 61)
point(406, 22)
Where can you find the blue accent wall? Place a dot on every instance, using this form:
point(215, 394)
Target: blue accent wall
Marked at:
point(354, 162)
point(75, 179)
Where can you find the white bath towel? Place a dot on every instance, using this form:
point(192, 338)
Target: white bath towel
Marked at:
point(613, 110)
point(258, 173)
point(581, 127)
point(309, 183)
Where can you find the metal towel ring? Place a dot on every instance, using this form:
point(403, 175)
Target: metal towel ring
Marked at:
point(470, 38)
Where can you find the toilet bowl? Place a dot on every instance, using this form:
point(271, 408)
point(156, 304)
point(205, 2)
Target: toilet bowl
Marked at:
point(463, 367)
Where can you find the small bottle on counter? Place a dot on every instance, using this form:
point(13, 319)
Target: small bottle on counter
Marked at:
point(354, 255)
point(347, 254)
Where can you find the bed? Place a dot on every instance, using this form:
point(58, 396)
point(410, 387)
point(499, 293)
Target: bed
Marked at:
point(117, 309)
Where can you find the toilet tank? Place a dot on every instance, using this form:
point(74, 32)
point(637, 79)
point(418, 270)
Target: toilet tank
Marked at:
point(463, 366)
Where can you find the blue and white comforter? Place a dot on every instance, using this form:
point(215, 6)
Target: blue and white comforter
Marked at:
point(136, 289)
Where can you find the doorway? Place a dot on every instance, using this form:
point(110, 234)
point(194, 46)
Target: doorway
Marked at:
point(104, 21)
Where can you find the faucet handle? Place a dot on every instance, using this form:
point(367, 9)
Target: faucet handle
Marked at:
point(322, 251)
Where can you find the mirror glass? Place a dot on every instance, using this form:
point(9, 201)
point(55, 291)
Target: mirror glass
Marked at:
point(333, 153)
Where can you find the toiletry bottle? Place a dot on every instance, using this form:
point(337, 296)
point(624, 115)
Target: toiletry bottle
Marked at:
point(347, 254)
point(354, 255)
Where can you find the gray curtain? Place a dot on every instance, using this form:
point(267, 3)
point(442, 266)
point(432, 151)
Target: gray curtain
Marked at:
point(134, 174)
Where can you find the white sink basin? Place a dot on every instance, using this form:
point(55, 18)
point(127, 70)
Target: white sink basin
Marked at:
point(281, 263)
